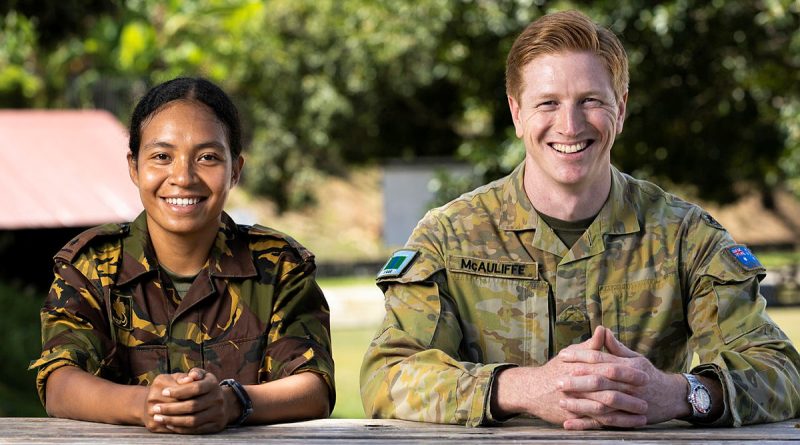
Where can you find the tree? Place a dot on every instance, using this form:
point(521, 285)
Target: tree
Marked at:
point(324, 84)
point(708, 84)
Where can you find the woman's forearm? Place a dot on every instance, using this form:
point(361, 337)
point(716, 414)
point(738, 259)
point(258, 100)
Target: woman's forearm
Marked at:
point(75, 394)
point(297, 397)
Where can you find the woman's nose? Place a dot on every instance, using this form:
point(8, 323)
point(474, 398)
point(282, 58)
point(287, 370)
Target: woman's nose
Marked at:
point(183, 172)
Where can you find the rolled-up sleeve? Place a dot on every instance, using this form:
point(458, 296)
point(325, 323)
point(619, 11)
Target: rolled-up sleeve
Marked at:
point(299, 333)
point(414, 368)
point(74, 326)
point(735, 339)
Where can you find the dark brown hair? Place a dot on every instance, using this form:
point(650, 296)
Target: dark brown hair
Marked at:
point(192, 89)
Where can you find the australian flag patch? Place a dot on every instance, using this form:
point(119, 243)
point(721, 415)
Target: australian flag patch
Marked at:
point(744, 257)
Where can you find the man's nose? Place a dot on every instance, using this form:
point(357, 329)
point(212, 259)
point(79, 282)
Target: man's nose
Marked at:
point(570, 120)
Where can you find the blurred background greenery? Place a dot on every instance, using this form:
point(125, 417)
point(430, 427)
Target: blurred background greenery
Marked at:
point(329, 86)
point(326, 84)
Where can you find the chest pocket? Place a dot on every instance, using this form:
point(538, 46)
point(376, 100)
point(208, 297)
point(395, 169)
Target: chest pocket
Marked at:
point(504, 318)
point(648, 317)
point(239, 359)
point(142, 364)
point(140, 354)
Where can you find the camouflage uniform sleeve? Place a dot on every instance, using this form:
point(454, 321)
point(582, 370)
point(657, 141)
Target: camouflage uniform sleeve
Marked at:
point(733, 336)
point(74, 326)
point(412, 369)
point(299, 334)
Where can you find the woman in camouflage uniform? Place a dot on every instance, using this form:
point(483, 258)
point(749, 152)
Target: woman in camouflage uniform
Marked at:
point(183, 321)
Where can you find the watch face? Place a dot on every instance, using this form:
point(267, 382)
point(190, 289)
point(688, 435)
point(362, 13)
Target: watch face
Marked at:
point(702, 400)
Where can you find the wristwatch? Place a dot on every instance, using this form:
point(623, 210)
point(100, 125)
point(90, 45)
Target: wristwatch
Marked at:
point(699, 397)
point(243, 397)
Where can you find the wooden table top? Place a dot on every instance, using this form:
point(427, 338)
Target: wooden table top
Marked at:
point(25, 430)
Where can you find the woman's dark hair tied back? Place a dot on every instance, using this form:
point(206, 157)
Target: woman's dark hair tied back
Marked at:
point(188, 88)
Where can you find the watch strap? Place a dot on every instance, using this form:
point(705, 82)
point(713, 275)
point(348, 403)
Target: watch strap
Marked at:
point(243, 397)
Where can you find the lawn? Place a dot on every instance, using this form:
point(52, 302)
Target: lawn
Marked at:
point(348, 350)
point(788, 318)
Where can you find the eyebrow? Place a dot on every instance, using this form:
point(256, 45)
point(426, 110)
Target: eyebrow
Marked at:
point(165, 144)
point(596, 93)
point(556, 95)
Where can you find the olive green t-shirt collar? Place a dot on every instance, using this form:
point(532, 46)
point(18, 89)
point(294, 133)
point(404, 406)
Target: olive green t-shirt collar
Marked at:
point(617, 216)
point(229, 257)
point(181, 283)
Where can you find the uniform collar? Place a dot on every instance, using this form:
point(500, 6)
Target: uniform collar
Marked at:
point(516, 210)
point(229, 257)
point(617, 216)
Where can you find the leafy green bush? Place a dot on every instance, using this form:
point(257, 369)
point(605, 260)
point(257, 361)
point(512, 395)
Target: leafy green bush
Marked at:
point(22, 343)
point(326, 84)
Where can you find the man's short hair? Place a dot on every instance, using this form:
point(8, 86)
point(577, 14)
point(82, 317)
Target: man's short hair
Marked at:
point(566, 31)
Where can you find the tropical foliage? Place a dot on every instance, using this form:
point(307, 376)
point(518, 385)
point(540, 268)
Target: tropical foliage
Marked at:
point(322, 84)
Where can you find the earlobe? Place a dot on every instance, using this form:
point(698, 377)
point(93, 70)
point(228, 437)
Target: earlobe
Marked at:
point(132, 170)
point(513, 106)
point(623, 106)
point(236, 172)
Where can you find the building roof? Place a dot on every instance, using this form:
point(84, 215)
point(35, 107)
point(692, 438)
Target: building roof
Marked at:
point(64, 168)
point(750, 222)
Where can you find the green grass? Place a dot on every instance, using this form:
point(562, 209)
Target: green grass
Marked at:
point(788, 318)
point(348, 350)
point(345, 281)
point(777, 259)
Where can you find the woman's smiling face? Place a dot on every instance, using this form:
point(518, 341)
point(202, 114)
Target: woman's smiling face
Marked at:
point(184, 169)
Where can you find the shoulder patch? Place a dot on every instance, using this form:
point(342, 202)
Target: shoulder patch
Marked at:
point(708, 219)
point(398, 263)
point(744, 257)
point(71, 250)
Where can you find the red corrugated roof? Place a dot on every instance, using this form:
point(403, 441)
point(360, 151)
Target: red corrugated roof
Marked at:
point(64, 168)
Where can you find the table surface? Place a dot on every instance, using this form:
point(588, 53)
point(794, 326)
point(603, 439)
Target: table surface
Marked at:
point(61, 431)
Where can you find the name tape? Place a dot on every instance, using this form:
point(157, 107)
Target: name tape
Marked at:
point(504, 269)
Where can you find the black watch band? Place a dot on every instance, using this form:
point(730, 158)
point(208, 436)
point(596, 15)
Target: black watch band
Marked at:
point(243, 397)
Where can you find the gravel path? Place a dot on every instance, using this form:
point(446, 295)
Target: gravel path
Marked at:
point(355, 306)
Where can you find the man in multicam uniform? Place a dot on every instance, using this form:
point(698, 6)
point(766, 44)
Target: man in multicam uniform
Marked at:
point(568, 290)
point(183, 321)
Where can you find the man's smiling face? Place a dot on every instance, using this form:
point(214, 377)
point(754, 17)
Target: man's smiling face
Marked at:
point(568, 116)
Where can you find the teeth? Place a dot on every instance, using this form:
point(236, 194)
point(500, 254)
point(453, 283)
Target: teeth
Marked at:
point(182, 201)
point(570, 148)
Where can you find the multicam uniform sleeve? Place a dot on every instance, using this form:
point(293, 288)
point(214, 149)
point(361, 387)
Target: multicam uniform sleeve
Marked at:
point(74, 324)
point(299, 334)
point(733, 336)
point(412, 369)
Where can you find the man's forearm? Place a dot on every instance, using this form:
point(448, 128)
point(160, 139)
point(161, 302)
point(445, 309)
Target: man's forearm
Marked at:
point(506, 399)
